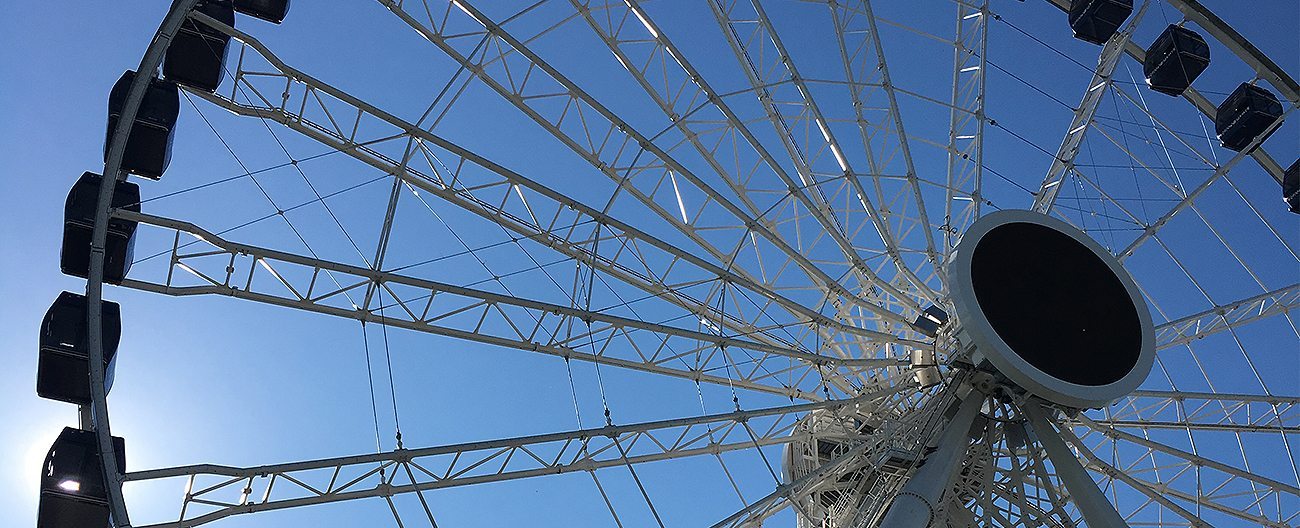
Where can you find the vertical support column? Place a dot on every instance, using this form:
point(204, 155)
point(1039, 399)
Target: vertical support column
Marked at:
point(915, 504)
point(1096, 509)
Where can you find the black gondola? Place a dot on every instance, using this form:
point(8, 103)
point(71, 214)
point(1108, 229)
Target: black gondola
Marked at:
point(197, 54)
point(928, 323)
point(1096, 21)
point(73, 490)
point(149, 145)
point(1246, 114)
point(79, 223)
point(1175, 59)
point(272, 11)
point(63, 368)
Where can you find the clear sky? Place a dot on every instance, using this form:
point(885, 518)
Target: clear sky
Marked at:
point(234, 382)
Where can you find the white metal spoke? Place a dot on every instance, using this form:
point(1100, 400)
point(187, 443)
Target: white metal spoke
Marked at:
point(1084, 115)
point(220, 267)
point(965, 146)
point(1227, 316)
point(1205, 411)
point(215, 492)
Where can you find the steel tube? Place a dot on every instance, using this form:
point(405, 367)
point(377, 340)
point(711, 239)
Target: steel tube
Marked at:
point(915, 504)
point(1096, 509)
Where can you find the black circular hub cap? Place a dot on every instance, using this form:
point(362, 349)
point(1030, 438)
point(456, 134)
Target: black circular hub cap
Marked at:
point(1056, 304)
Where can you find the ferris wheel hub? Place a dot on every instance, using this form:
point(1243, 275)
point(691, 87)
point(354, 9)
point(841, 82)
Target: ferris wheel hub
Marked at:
point(1051, 310)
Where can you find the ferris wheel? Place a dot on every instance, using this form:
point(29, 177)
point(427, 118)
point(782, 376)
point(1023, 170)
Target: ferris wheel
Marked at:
point(832, 264)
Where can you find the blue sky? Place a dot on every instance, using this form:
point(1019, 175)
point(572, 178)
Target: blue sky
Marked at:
point(226, 381)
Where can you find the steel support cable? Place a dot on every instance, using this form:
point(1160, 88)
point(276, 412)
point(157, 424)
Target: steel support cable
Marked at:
point(119, 214)
point(229, 179)
point(292, 161)
point(586, 292)
point(370, 380)
point(278, 211)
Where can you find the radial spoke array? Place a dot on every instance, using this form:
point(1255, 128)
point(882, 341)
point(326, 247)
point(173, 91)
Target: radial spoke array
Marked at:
point(617, 149)
point(780, 238)
point(525, 206)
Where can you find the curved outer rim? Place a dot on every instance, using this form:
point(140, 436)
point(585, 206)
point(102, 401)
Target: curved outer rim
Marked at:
point(989, 345)
point(95, 278)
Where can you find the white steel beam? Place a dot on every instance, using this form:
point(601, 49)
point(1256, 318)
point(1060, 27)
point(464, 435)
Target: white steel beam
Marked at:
point(1227, 316)
point(1204, 411)
point(966, 119)
point(214, 492)
point(1097, 464)
point(221, 267)
point(915, 505)
point(1102, 78)
point(1097, 510)
point(1197, 479)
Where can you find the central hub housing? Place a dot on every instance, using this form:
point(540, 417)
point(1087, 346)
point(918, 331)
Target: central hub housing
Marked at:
point(1050, 309)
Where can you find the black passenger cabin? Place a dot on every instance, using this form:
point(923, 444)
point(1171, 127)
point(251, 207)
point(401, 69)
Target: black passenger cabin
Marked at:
point(149, 146)
point(928, 323)
point(63, 368)
point(1175, 59)
point(73, 491)
point(197, 54)
point(268, 10)
point(1291, 186)
point(1096, 21)
point(79, 223)
point(1248, 112)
